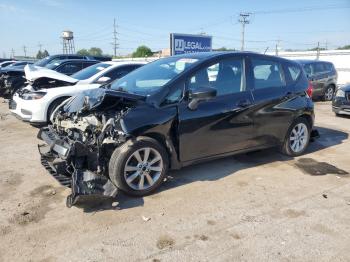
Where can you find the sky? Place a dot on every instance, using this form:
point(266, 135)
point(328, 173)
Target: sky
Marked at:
point(297, 24)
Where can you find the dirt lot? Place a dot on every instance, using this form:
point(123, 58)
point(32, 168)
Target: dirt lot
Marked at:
point(256, 207)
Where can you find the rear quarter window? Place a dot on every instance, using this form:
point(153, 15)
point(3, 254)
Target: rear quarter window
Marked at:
point(294, 72)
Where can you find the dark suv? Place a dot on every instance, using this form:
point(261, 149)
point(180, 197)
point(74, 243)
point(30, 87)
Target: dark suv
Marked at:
point(323, 78)
point(175, 112)
point(70, 67)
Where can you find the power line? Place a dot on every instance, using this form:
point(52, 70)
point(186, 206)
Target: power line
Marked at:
point(243, 19)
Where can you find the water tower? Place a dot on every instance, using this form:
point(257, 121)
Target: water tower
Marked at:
point(68, 42)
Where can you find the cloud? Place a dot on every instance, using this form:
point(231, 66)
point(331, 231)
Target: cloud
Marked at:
point(8, 8)
point(51, 3)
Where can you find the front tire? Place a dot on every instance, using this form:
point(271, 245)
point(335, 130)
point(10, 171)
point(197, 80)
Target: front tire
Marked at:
point(138, 167)
point(297, 138)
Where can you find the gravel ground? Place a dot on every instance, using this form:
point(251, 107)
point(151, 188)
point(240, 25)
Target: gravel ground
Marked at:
point(260, 206)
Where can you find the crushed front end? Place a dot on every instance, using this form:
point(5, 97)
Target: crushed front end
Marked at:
point(79, 143)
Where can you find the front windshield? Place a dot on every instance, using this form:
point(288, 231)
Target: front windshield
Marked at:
point(43, 62)
point(52, 65)
point(90, 71)
point(152, 77)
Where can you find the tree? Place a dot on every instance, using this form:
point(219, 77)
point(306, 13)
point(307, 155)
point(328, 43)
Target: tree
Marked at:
point(39, 55)
point(223, 49)
point(45, 53)
point(316, 48)
point(83, 52)
point(95, 51)
point(345, 47)
point(142, 51)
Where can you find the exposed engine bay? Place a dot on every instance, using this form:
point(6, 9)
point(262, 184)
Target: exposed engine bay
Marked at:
point(81, 140)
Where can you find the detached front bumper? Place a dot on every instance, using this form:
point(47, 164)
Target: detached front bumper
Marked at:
point(60, 157)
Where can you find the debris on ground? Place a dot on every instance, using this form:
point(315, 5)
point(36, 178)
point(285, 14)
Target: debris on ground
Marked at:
point(146, 218)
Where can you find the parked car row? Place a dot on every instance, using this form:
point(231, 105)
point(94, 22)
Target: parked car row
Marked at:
point(12, 77)
point(123, 125)
point(47, 89)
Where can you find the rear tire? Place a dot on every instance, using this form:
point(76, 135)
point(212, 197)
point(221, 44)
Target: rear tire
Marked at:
point(297, 138)
point(328, 94)
point(138, 167)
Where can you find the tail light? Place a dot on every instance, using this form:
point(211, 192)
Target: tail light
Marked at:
point(309, 89)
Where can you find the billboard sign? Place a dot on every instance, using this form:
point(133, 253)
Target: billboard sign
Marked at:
point(184, 43)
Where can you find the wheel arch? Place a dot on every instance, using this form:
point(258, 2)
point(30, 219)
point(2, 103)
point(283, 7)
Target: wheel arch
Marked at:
point(168, 146)
point(55, 100)
point(308, 118)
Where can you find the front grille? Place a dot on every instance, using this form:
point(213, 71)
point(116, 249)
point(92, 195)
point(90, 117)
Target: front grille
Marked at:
point(12, 104)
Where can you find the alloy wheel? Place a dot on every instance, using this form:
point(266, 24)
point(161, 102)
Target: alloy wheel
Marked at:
point(329, 94)
point(299, 138)
point(143, 168)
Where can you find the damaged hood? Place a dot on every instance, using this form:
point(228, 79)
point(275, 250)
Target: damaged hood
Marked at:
point(33, 73)
point(99, 99)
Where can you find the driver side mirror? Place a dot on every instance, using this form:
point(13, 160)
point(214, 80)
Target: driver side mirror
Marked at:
point(200, 94)
point(103, 80)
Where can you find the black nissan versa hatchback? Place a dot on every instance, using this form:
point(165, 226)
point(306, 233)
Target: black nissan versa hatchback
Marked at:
point(175, 112)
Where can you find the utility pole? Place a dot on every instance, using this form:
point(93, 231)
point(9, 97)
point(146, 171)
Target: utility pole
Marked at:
point(115, 39)
point(25, 51)
point(243, 19)
point(12, 53)
point(277, 46)
point(40, 46)
point(318, 51)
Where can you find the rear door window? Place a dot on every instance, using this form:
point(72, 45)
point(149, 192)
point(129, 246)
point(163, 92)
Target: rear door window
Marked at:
point(267, 74)
point(226, 77)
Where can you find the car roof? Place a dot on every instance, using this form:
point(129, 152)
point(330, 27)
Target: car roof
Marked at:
point(120, 63)
point(309, 61)
point(58, 62)
point(213, 54)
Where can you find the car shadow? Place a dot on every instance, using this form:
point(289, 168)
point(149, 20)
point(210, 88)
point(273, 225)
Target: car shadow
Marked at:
point(218, 169)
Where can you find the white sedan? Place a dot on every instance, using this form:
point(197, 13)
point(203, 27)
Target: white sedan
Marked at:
point(35, 104)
